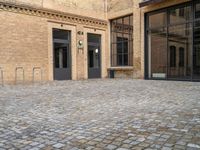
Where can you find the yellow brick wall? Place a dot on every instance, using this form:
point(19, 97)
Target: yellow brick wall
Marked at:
point(24, 40)
point(90, 8)
point(23, 43)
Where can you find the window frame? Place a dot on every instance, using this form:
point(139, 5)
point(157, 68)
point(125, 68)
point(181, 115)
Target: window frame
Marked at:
point(126, 34)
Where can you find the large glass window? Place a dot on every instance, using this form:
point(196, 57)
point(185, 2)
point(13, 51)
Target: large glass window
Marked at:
point(180, 50)
point(158, 52)
point(196, 54)
point(180, 15)
point(122, 41)
point(173, 47)
point(158, 20)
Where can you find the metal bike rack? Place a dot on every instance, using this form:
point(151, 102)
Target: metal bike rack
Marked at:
point(16, 70)
point(1, 71)
point(33, 76)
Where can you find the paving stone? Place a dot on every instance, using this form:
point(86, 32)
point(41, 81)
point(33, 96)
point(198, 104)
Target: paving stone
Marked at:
point(166, 148)
point(122, 149)
point(193, 145)
point(58, 145)
point(111, 147)
point(100, 114)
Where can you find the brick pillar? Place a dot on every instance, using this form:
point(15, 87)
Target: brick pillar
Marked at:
point(137, 57)
point(80, 53)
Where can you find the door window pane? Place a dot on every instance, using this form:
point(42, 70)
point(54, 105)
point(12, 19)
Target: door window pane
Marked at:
point(94, 41)
point(94, 57)
point(61, 34)
point(61, 55)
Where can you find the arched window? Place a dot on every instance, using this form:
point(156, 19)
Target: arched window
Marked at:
point(172, 56)
point(181, 57)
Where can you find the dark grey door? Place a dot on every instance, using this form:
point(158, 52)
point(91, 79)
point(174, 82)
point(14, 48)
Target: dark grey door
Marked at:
point(94, 55)
point(62, 54)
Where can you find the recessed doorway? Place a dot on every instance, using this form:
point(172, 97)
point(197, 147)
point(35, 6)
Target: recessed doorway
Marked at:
point(62, 54)
point(94, 55)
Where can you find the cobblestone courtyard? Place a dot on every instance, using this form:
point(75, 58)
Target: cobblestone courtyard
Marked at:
point(101, 114)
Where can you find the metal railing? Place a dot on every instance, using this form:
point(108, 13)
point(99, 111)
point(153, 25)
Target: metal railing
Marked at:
point(34, 71)
point(16, 74)
point(1, 72)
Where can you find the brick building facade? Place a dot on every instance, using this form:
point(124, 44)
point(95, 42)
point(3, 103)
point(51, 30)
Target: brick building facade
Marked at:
point(74, 39)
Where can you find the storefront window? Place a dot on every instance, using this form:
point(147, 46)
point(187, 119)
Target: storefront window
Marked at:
point(173, 47)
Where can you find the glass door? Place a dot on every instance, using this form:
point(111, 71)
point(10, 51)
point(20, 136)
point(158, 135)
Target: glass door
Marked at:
point(62, 56)
point(94, 56)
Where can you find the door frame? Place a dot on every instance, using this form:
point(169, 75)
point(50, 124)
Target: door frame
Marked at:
point(103, 56)
point(68, 61)
point(72, 29)
point(100, 57)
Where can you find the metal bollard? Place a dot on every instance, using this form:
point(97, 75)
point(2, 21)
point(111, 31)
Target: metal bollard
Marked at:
point(16, 70)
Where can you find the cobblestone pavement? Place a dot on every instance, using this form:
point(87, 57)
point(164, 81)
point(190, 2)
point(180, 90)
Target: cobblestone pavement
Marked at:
point(101, 115)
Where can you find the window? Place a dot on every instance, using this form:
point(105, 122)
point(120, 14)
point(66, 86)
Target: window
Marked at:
point(181, 12)
point(181, 57)
point(122, 41)
point(158, 20)
point(122, 51)
point(173, 42)
point(172, 56)
point(197, 11)
point(180, 15)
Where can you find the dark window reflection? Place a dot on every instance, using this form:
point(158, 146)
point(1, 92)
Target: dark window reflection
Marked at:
point(170, 43)
point(180, 15)
point(197, 11)
point(181, 57)
point(196, 54)
point(172, 56)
